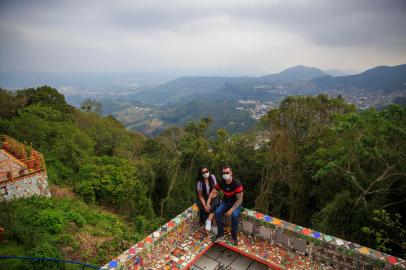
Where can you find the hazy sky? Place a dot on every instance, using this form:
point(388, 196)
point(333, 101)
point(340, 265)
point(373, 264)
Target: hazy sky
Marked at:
point(200, 36)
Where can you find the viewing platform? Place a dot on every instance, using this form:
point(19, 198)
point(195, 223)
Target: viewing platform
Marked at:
point(22, 170)
point(265, 242)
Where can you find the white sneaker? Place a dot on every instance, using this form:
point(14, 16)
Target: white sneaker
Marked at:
point(214, 229)
point(208, 225)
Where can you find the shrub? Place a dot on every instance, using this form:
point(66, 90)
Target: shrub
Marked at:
point(51, 220)
point(45, 250)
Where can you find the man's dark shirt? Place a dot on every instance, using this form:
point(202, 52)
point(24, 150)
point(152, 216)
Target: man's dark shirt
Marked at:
point(230, 190)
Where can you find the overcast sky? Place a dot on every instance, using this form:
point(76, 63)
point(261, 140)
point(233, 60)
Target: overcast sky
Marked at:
point(232, 37)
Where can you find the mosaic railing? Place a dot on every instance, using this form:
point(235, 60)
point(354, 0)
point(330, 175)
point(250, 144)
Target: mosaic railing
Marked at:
point(309, 246)
point(332, 251)
point(156, 246)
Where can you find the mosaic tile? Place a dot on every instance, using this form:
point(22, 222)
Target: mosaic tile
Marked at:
point(247, 226)
point(328, 238)
point(392, 259)
point(276, 221)
point(265, 232)
point(339, 242)
point(113, 264)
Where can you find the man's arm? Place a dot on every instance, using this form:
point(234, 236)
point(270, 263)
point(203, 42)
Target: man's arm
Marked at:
point(237, 203)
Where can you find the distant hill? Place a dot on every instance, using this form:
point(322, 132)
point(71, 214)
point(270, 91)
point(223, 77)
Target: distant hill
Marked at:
point(379, 78)
point(298, 73)
point(177, 89)
point(188, 87)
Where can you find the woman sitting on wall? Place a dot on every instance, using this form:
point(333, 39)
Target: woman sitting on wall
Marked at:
point(207, 203)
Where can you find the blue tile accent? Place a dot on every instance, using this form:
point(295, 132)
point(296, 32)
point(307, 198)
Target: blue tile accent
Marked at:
point(316, 235)
point(113, 264)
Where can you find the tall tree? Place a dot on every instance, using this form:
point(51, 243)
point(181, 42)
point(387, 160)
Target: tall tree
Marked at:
point(294, 130)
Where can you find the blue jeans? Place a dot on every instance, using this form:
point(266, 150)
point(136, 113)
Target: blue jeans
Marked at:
point(235, 217)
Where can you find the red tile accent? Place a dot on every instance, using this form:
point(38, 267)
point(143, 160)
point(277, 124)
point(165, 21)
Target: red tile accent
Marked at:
point(171, 224)
point(148, 240)
point(392, 259)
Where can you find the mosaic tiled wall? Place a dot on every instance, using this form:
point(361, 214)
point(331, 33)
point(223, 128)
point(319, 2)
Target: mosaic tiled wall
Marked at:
point(332, 251)
point(30, 185)
point(155, 247)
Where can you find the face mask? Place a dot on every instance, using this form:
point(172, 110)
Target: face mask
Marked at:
point(206, 175)
point(226, 176)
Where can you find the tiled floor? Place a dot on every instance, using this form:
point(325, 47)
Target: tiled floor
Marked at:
point(219, 257)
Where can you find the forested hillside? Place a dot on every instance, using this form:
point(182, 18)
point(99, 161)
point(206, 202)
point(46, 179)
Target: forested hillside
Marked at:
point(314, 161)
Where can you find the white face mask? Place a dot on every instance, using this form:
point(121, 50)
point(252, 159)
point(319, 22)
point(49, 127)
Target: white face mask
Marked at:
point(226, 176)
point(206, 175)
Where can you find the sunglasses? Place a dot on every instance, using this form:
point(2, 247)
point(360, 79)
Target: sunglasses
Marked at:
point(205, 171)
point(226, 172)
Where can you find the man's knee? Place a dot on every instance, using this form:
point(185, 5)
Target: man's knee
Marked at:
point(235, 214)
point(218, 211)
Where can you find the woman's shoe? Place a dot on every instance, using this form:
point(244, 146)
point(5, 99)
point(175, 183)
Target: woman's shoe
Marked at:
point(208, 225)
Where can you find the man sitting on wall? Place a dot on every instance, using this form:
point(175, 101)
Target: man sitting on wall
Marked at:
point(230, 205)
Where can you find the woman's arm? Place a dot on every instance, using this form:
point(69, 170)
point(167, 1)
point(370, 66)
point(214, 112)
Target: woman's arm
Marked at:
point(201, 198)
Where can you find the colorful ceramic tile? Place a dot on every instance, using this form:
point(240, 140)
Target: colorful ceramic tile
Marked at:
point(328, 238)
point(316, 235)
point(276, 221)
point(364, 250)
point(339, 242)
point(392, 259)
point(113, 264)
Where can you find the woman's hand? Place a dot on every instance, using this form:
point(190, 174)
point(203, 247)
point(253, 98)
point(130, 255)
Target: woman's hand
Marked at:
point(207, 208)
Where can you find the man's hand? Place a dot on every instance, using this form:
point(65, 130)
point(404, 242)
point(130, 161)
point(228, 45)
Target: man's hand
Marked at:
point(207, 208)
point(229, 212)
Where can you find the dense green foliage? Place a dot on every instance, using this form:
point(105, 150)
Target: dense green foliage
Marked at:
point(223, 113)
point(314, 161)
point(61, 228)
